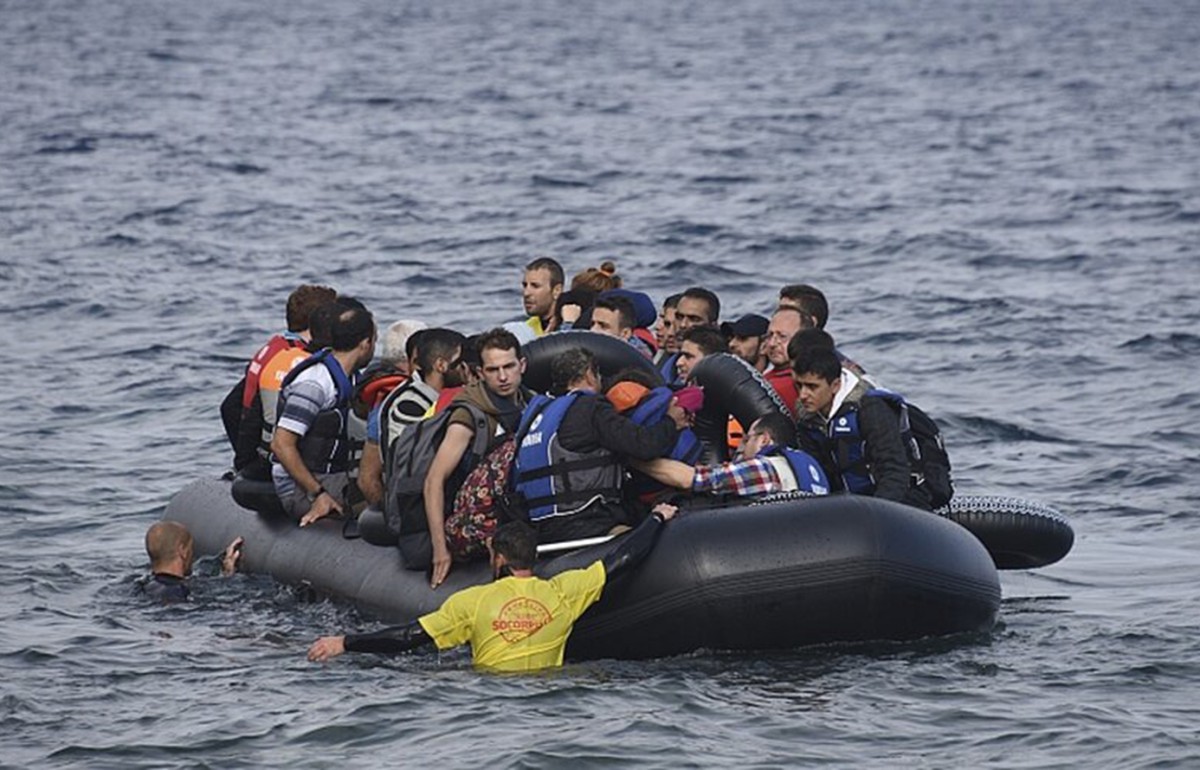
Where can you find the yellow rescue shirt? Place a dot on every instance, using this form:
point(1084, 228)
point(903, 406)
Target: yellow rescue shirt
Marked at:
point(516, 623)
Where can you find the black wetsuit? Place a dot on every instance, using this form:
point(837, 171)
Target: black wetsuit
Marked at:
point(633, 548)
point(167, 589)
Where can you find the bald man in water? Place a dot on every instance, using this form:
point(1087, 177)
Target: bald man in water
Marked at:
point(171, 550)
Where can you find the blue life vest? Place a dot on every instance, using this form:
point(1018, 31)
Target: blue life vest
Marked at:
point(929, 465)
point(653, 409)
point(554, 481)
point(667, 368)
point(806, 471)
point(325, 448)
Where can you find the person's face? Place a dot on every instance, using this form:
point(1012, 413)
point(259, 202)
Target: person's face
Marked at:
point(753, 442)
point(537, 293)
point(788, 302)
point(502, 371)
point(664, 331)
point(746, 348)
point(690, 354)
point(606, 321)
point(454, 371)
point(366, 351)
point(690, 312)
point(782, 328)
point(816, 395)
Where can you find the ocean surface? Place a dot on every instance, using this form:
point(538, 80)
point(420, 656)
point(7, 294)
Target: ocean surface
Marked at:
point(1001, 200)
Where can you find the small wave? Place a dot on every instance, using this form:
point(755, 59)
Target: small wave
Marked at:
point(241, 169)
point(541, 180)
point(1167, 346)
point(718, 179)
point(163, 214)
point(83, 144)
point(991, 428)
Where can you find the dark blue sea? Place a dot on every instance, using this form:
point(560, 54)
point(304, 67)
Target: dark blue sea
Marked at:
point(1001, 200)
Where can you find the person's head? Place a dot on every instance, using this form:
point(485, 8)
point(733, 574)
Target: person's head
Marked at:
point(574, 368)
point(353, 329)
point(440, 359)
point(808, 300)
point(303, 301)
point(745, 337)
point(514, 546)
point(542, 284)
point(809, 338)
point(598, 279)
point(697, 307)
point(470, 356)
point(581, 298)
point(772, 429)
point(393, 343)
point(696, 343)
point(818, 376)
point(665, 331)
point(170, 548)
point(613, 316)
point(784, 325)
point(501, 364)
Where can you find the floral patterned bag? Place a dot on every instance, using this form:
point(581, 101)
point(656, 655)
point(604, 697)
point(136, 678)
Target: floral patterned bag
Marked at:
point(477, 505)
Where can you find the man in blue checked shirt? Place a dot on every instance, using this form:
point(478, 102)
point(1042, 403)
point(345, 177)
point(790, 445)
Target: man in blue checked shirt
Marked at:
point(765, 464)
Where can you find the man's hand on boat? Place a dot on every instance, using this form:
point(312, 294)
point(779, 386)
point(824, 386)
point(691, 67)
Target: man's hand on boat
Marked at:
point(666, 511)
point(326, 647)
point(441, 563)
point(324, 505)
point(229, 559)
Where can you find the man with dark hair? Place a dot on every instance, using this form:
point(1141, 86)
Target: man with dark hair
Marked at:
point(746, 336)
point(765, 463)
point(664, 331)
point(520, 622)
point(808, 300)
point(499, 395)
point(572, 450)
point(540, 289)
point(694, 344)
point(171, 550)
point(249, 411)
point(311, 447)
point(697, 307)
point(613, 315)
point(856, 435)
point(784, 324)
point(437, 363)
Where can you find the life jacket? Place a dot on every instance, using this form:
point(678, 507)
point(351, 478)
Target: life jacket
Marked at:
point(798, 471)
point(667, 368)
point(325, 448)
point(373, 387)
point(272, 376)
point(652, 410)
point(553, 480)
point(647, 337)
point(392, 421)
point(928, 462)
point(277, 344)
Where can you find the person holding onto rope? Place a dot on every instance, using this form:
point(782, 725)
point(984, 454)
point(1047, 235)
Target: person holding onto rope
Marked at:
point(765, 464)
point(520, 622)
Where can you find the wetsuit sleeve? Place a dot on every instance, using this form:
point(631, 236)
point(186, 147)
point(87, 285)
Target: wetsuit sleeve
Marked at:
point(634, 548)
point(624, 437)
point(885, 449)
point(390, 641)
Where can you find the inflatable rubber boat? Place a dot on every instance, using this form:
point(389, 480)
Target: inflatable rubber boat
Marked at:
point(768, 574)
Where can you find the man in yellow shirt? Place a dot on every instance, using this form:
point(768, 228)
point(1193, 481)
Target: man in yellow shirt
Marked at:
point(517, 623)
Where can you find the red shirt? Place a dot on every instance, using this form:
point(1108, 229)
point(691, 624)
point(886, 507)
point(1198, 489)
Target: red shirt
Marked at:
point(780, 378)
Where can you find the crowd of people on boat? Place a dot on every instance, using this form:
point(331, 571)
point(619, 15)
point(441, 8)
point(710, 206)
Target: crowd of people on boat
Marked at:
point(443, 436)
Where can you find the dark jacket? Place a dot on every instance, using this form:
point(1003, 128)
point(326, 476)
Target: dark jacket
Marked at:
point(886, 459)
point(593, 424)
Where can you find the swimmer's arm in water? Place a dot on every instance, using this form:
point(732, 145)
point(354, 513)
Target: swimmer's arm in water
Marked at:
point(388, 641)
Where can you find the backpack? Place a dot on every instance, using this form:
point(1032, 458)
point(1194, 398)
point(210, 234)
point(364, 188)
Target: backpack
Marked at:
point(407, 464)
point(925, 446)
